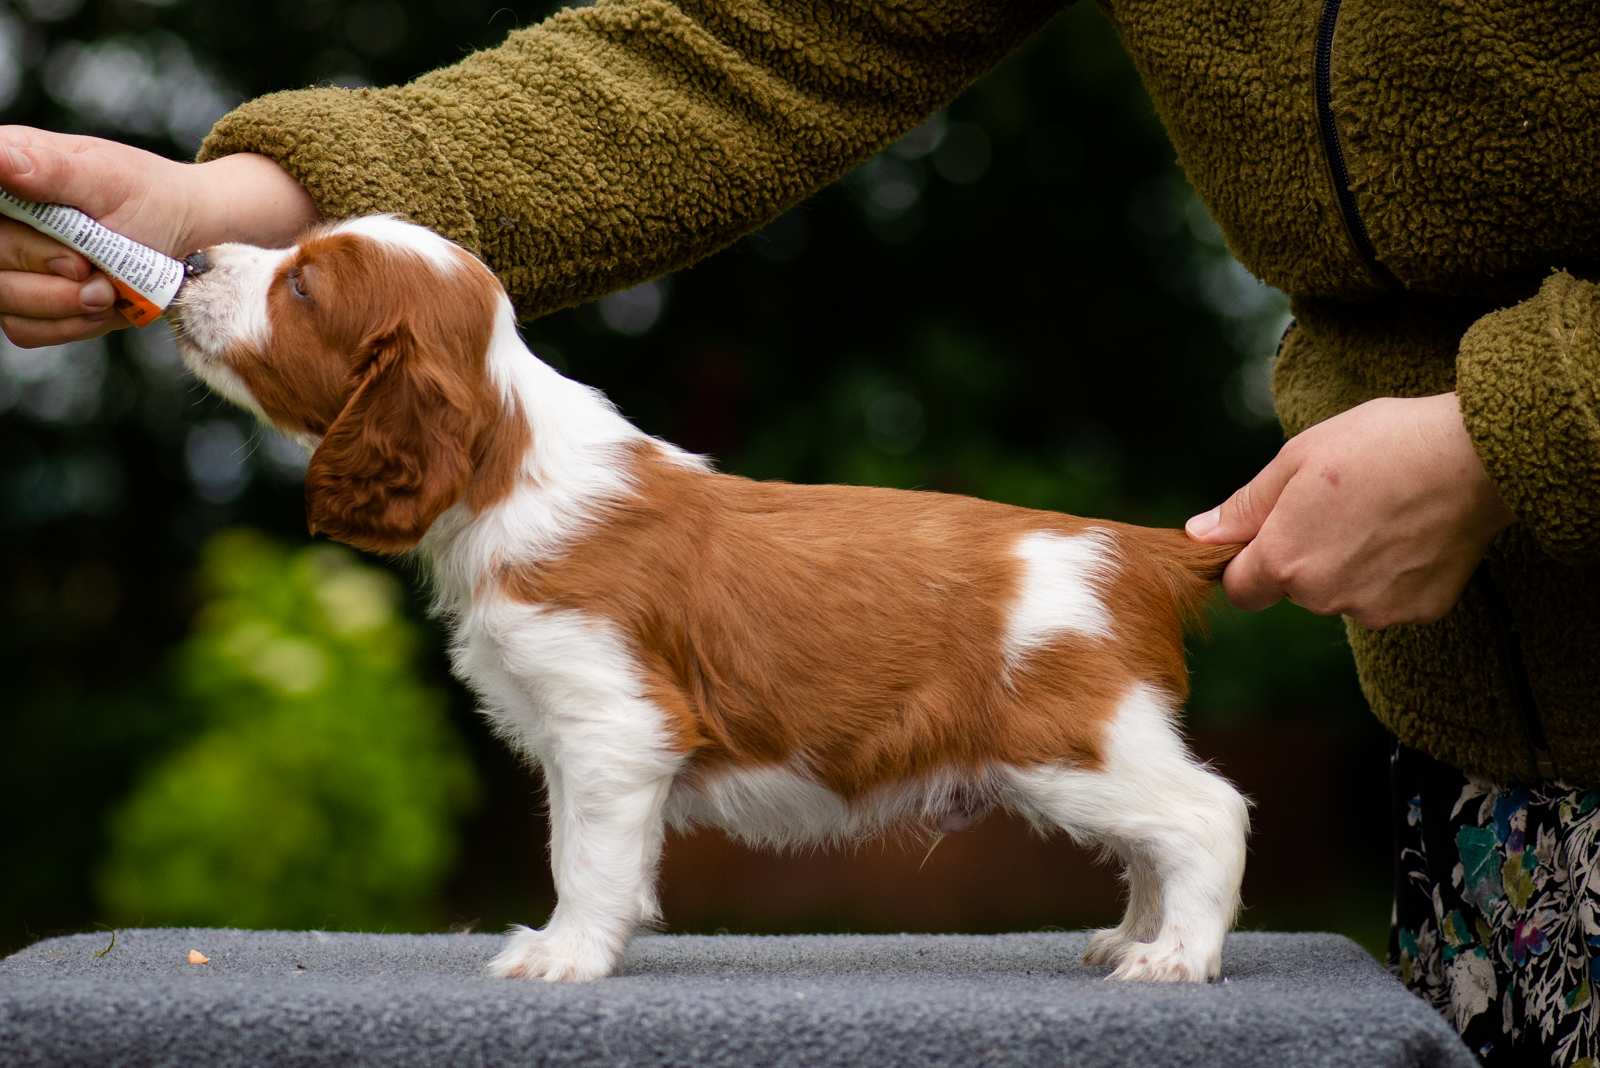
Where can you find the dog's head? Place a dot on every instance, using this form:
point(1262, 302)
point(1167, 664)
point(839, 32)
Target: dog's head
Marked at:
point(368, 342)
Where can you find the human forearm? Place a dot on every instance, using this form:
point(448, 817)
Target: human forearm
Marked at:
point(613, 143)
point(244, 197)
point(603, 147)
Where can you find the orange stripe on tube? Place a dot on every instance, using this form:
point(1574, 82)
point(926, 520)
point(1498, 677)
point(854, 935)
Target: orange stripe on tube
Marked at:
point(134, 308)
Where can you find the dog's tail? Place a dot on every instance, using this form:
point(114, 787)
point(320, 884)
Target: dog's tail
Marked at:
point(1191, 568)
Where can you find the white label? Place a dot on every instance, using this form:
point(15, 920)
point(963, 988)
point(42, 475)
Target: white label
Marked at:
point(150, 274)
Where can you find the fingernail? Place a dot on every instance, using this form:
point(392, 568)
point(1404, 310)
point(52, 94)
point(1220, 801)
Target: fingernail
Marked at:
point(96, 294)
point(1204, 523)
point(18, 161)
point(64, 266)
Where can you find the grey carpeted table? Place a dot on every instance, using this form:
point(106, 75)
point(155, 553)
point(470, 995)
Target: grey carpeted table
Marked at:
point(305, 998)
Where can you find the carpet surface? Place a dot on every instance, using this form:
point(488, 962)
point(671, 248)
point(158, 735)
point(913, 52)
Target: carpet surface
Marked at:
point(270, 998)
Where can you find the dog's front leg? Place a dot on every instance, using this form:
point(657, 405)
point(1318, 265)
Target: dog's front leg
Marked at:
point(605, 844)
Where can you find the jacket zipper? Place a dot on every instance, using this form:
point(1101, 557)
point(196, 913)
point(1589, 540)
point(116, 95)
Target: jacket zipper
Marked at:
point(1334, 152)
point(1499, 609)
point(1521, 690)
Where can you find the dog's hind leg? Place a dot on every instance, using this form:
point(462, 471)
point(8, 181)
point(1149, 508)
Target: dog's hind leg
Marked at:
point(1180, 827)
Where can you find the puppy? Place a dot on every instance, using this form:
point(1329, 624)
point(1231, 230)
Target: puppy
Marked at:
point(794, 664)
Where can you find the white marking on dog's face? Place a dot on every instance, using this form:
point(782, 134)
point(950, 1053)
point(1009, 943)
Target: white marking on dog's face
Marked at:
point(442, 254)
point(1058, 591)
point(224, 309)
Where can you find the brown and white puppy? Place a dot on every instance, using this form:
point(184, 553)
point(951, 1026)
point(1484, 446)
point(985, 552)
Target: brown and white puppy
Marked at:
point(794, 664)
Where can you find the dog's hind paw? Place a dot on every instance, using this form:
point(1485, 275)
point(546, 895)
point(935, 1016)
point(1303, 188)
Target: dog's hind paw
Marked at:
point(555, 956)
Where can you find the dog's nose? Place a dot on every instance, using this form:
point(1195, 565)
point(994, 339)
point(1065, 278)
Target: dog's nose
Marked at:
point(196, 263)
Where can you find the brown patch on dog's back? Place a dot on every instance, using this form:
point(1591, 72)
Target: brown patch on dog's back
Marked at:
point(856, 628)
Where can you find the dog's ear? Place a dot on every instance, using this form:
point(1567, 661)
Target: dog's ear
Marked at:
point(399, 453)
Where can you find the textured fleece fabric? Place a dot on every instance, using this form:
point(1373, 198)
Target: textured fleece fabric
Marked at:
point(615, 142)
point(612, 143)
point(272, 998)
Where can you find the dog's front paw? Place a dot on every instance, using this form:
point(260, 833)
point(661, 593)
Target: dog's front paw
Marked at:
point(558, 956)
point(1169, 961)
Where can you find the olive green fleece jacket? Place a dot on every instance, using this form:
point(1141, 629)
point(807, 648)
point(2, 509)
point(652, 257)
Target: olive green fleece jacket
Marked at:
point(1420, 176)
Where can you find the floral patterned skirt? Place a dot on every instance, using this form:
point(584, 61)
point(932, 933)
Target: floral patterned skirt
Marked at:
point(1497, 909)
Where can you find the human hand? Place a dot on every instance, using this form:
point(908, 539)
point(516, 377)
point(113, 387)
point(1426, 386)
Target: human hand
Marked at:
point(1381, 513)
point(49, 294)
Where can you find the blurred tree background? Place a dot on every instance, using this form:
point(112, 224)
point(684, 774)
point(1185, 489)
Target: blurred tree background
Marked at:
point(205, 720)
point(323, 779)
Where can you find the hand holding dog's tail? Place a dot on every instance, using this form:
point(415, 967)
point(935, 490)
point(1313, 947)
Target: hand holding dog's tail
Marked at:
point(1192, 568)
point(1381, 513)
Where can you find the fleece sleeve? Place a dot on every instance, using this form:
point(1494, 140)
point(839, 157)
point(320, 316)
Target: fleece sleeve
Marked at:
point(1528, 378)
point(613, 143)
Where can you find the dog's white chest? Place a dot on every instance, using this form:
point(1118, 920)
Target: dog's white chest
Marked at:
point(554, 678)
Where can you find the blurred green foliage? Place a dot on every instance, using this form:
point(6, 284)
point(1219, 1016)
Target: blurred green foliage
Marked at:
point(324, 784)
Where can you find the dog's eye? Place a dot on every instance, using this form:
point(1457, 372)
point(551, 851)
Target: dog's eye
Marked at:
point(297, 283)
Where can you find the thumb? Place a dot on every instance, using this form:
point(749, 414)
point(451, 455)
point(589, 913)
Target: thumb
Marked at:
point(1239, 518)
point(61, 169)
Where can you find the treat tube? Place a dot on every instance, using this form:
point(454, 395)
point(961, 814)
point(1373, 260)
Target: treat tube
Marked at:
point(145, 280)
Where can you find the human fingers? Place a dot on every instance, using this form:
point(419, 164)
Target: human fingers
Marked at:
point(1240, 517)
point(35, 333)
point(1309, 519)
point(65, 169)
point(173, 207)
point(1257, 578)
point(22, 248)
point(42, 309)
point(133, 192)
point(47, 296)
